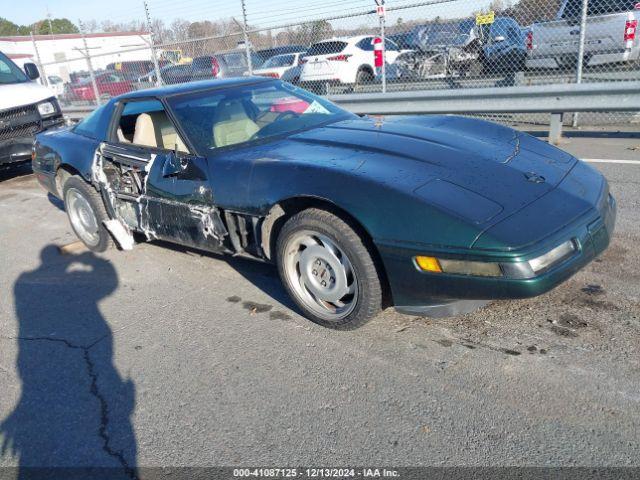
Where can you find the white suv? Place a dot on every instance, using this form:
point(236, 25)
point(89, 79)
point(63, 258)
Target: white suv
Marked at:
point(342, 61)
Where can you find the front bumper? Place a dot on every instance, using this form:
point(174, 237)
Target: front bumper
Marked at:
point(18, 149)
point(415, 291)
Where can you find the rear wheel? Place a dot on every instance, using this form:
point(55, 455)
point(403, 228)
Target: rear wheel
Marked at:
point(86, 213)
point(327, 270)
point(364, 77)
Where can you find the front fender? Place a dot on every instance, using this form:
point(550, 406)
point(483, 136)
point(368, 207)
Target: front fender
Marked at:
point(388, 209)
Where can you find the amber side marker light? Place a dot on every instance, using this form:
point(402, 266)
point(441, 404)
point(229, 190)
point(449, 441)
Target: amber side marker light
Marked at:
point(428, 264)
point(458, 267)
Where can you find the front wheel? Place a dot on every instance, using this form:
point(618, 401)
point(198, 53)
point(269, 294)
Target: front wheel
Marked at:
point(328, 270)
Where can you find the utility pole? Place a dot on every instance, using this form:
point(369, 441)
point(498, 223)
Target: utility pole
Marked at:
point(43, 76)
point(87, 57)
point(247, 45)
point(152, 36)
point(583, 35)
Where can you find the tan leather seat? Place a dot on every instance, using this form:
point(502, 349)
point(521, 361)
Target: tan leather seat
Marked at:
point(156, 130)
point(121, 137)
point(232, 125)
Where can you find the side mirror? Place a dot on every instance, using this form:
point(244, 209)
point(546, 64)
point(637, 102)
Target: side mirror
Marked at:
point(175, 165)
point(31, 70)
point(499, 39)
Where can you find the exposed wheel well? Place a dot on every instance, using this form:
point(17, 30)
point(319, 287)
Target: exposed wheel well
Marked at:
point(282, 211)
point(64, 171)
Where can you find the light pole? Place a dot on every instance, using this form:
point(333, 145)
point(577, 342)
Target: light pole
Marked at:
point(152, 37)
point(581, 43)
point(247, 45)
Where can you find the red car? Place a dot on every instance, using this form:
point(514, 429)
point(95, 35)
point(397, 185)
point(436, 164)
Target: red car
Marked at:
point(110, 84)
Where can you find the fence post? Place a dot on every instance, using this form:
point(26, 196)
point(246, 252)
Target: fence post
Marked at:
point(555, 128)
point(39, 62)
point(152, 37)
point(583, 34)
point(247, 46)
point(87, 57)
point(384, 53)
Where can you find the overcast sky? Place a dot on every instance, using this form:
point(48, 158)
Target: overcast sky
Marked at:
point(261, 12)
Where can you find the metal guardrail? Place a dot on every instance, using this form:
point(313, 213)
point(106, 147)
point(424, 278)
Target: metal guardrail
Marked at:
point(595, 97)
point(553, 99)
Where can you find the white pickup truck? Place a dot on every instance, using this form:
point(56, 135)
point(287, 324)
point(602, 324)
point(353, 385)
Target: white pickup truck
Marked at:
point(611, 35)
point(26, 108)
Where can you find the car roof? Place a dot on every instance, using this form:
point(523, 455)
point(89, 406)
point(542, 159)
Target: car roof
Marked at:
point(352, 39)
point(193, 87)
point(286, 54)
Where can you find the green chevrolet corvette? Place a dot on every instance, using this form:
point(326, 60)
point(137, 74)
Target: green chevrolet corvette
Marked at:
point(435, 215)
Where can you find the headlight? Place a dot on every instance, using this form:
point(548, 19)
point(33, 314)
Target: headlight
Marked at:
point(46, 109)
point(556, 255)
point(520, 270)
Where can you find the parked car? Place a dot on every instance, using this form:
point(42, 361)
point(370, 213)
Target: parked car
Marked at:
point(437, 214)
point(342, 61)
point(280, 65)
point(170, 75)
point(56, 85)
point(109, 84)
point(206, 67)
point(611, 35)
point(132, 69)
point(234, 62)
point(267, 53)
point(462, 48)
point(26, 108)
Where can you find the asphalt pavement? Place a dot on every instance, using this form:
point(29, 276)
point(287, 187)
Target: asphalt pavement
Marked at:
point(163, 356)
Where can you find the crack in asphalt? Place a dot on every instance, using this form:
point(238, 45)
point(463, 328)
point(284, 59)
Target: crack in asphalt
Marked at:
point(104, 407)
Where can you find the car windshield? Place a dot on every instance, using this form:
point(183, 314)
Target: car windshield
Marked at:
point(9, 72)
point(223, 117)
point(279, 61)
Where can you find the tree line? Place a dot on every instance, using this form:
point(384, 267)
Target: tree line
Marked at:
point(46, 26)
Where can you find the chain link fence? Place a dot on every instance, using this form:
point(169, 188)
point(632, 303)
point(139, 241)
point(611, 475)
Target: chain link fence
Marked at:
point(351, 46)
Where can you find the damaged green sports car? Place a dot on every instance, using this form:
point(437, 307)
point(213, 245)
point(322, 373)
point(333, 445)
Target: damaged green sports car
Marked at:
point(435, 215)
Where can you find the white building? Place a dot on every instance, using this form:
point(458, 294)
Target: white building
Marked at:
point(63, 54)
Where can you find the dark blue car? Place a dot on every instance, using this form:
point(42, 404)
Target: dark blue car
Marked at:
point(434, 215)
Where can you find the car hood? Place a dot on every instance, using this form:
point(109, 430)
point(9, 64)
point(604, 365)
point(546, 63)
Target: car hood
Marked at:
point(18, 94)
point(481, 171)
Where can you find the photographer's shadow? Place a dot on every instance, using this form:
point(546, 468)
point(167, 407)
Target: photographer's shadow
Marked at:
point(74, 409)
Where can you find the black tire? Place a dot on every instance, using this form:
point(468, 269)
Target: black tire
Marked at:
point(364, 77)
point(368, 300)
point(76, 184)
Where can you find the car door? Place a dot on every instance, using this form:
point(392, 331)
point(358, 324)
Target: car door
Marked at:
point(392, 51)
point(499, 47)
point(159, 191)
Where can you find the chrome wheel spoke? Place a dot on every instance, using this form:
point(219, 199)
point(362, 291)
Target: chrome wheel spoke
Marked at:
point(82, 216)
point(321, 275)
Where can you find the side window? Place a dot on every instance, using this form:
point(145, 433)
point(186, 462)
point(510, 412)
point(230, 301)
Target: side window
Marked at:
point(89, 126)
point(391, 46)
point(366, 44)
point(145, 123)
